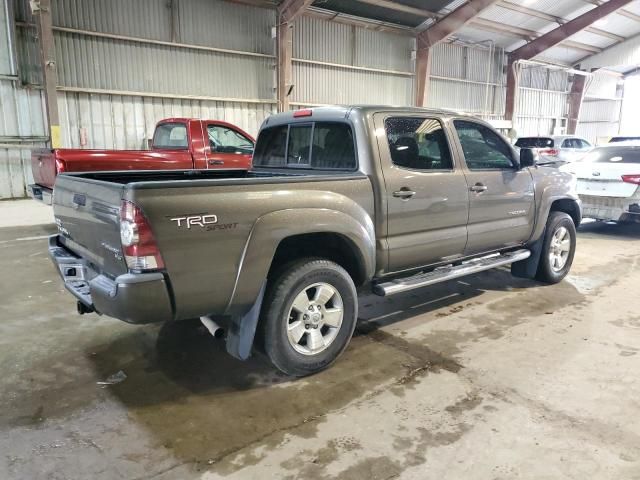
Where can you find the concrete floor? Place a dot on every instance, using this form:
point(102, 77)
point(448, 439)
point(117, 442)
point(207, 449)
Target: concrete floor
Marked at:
point(486, 378)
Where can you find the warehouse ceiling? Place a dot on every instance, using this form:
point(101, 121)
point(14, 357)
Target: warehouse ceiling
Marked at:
point(508, 24)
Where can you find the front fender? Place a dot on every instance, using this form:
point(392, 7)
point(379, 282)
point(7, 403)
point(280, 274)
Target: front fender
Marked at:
point(552, 185)
point(270, 229)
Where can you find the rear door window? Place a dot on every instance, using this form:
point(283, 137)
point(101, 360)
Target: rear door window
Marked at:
point(418, 143)
point(171, 136)
point(314, 145)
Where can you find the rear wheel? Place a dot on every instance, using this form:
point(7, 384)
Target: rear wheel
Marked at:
point(558, 248)
point(309, 315)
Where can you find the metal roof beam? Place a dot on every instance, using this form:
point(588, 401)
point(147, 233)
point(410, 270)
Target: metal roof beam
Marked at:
point(399, 7)
point(554, 19)
point(560, 34)
point(622, 11)
point(525, 34)
point(452, 22)
point(289, 10)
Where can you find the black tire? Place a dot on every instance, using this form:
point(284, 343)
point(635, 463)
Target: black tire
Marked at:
point(547, 272)
point(282, 290)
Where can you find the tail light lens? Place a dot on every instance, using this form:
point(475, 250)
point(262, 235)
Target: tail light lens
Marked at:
point(61, 167)
point(549, 152)
point(138, 243)
point(631, 179)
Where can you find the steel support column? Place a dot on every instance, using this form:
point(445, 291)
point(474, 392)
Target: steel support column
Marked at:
point(285, 67)
point(288, 11)
point(575, 102)
point(48, 64)
point(423, 74)
point(512, 86)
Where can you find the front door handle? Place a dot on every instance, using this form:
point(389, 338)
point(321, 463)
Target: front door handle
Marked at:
point(478, 188)
point(404, 193)
point(216, 162)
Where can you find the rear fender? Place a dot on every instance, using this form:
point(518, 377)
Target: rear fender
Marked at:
point(270, 229)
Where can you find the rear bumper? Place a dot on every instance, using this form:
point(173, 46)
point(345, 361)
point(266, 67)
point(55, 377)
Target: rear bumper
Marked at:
point(132, 297)
point(40, 193)
point(611, 208)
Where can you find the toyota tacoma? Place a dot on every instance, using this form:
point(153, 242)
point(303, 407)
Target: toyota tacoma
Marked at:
point(338, 200)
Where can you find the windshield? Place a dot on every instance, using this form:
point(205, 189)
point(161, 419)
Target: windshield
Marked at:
point(534, 142)
point(613, 155)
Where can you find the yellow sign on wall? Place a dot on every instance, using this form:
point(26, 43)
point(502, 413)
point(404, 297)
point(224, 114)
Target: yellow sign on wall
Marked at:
point(56, 136)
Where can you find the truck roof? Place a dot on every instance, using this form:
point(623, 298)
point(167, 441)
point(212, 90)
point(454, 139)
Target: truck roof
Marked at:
point(334, 112)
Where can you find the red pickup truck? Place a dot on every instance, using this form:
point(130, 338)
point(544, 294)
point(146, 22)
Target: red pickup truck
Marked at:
point(178, 144)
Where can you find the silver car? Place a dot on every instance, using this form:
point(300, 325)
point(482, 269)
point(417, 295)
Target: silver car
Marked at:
point(556, 149)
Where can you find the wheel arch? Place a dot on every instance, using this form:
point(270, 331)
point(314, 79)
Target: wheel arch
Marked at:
point(346, 238)
point(568, 206)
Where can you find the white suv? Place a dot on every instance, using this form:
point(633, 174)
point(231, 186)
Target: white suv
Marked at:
point(556, 149)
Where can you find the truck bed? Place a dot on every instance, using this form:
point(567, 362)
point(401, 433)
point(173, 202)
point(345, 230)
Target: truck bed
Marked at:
point(179, 178)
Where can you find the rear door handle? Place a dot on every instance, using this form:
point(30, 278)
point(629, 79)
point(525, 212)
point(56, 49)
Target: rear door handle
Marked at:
point(478, 188)
point(216, 162)
point(404, 193)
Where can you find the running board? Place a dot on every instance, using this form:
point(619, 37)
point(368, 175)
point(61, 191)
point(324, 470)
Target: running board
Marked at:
point(442, 274)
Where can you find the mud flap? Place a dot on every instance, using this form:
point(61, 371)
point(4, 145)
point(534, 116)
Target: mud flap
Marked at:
point(529, 267)
point(242, 329)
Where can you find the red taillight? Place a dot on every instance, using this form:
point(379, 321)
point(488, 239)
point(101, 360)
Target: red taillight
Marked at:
point(631, 179)
point(138, 243)
point(61, 167)
point(549, 152)
point(305, 112)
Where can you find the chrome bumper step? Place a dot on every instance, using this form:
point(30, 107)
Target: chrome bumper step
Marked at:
point(442, 274)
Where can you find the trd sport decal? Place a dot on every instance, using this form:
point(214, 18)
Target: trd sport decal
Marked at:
point(208, 222)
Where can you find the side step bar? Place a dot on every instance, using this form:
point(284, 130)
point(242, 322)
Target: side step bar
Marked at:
point(442, 274)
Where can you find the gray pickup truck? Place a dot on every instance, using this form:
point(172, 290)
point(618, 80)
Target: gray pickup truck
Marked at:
point(338, 199)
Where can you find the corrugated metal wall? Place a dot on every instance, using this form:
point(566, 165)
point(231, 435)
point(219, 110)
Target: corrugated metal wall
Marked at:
point(352, 52)
point(469, 79)
point(126, 122)
point(21, 120)
point(542, 101)
point(601, 108)
point(211, 58)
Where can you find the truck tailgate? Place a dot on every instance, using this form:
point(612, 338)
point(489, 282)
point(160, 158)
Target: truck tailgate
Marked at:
point(43, 166)
point(88, 216)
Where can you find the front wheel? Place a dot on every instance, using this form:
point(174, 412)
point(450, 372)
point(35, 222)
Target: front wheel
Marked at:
point(309, 316)
point(558, 248)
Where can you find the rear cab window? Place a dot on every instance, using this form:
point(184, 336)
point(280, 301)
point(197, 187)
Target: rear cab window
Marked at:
point(309, 145)
point(534, 142)
point(171, 136)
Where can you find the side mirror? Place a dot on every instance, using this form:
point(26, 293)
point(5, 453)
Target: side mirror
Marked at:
point(527, 158)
